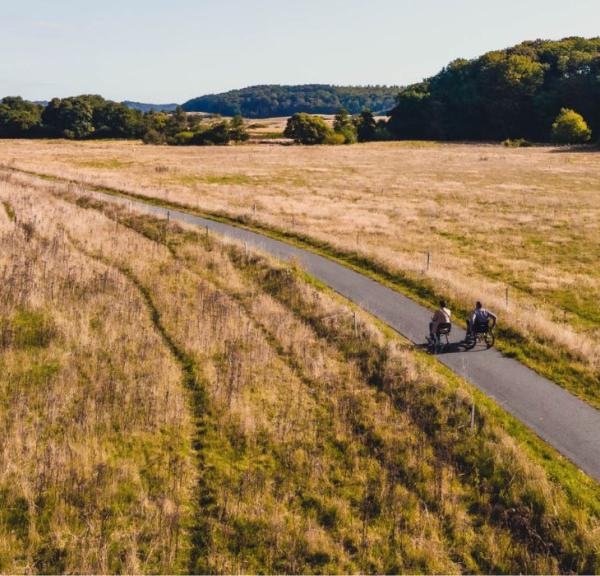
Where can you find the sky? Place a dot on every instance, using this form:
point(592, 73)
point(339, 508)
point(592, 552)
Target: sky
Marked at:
point(172, 50)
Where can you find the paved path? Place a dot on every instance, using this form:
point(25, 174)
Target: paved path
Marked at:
point(561, 419)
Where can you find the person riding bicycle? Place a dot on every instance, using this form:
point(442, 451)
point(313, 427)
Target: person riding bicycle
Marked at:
point(441, 316)
point(480, 317)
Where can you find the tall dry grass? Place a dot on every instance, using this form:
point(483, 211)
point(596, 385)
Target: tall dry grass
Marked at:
point(319, 448)
point(493, 219)
point(96, 464)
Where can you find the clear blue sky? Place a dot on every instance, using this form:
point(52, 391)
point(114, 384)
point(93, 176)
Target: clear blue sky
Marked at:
point(172, 50)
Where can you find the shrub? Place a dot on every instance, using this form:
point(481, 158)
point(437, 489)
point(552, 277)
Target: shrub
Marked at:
point(237, 129)
point(217, 134)
point(570, 128)
point(153, 137)
point(343, 125)
point(307, 129)
point(183, 138)
point(336, 138)
point(517, 143)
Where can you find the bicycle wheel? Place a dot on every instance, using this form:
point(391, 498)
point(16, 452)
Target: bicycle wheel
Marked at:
point(489, 339)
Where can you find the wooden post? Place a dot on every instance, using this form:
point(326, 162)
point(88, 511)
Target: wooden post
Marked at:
point(354, 324)
point(507, 297)
point(473, 415)
point(428, 260)
point(254, 208)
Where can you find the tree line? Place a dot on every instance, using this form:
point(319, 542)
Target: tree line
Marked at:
point(268, 101)
point(91, 116)
point(347, 129)
point(506, 94)
point(535, 91)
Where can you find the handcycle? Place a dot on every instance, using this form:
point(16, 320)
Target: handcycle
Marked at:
point(435, 345)
point(480, 333)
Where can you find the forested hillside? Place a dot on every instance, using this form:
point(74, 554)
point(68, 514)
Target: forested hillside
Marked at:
point(512, 93)
point(147, 107)
point(275, 100)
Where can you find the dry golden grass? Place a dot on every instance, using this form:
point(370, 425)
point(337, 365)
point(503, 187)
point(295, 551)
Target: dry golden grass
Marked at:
point(492, 218)
point(96, 464)
point(317, 449)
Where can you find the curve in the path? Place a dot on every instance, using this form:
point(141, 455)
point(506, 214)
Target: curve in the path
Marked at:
point(562, 420)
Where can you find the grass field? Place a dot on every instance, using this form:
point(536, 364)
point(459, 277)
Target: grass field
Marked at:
point(495, 221)
point(174, 403)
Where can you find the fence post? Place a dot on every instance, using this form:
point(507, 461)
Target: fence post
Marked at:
point(473, 415)
point(354, 325)
point(507, 297)
point(428, 260)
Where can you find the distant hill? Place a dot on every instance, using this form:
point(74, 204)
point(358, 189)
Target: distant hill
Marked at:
point(276, 100)
point(144, 107)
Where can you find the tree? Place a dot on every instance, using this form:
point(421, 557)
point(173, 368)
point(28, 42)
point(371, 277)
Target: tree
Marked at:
point(570, 128)
point(177, 122)
point(115, 120)
point(307, 129)
point(366, 126)
point(344, 126)
point(237, 129)
point(216, 134)
point(19, 118)
point(512, 93)
point(70, 117)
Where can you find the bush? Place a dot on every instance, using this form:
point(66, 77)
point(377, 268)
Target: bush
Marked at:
point(153, 137)
point(183, 138)
point(517, 143)
point(307, 129)
point(570, 128)
point(217, 134)
point(336, 138)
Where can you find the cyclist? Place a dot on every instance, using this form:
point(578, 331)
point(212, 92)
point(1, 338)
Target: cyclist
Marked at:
point(480, 317)
point(441, 316)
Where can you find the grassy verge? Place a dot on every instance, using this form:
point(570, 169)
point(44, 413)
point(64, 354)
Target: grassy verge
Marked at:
point(440, 407)
point(543, 357)
point(580, 488)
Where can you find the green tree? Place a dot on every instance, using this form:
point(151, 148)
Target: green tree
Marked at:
point(307, 129)
point(218, 133)
point(177, 122)
point(70, 117)
point(570, 128)
point(19, 118)
point(366, 126)
point(115, 120)
point(344, 126)
point(237, 129)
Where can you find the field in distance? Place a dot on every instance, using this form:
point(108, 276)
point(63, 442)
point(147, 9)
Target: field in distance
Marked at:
point(493, 220)
point(176, 403)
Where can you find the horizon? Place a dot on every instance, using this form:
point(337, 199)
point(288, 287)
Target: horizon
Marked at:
point(144, 52)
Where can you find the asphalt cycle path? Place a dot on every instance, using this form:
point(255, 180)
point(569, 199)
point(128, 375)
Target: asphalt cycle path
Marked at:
point(561, 419)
